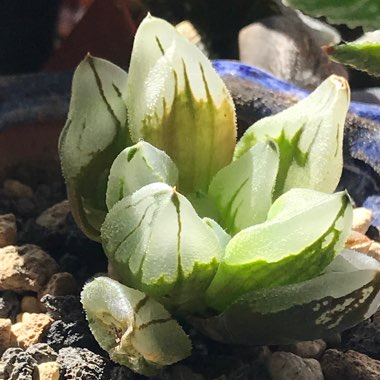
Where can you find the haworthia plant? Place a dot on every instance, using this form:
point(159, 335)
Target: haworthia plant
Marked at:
point(173, 92)
point(95, 132)
point(309, 136)
point(353, 13)
point(237, 244)
point(346, 293)
point(362, 56)
point(134, 329)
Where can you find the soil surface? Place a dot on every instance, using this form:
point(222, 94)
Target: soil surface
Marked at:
point(44, 333)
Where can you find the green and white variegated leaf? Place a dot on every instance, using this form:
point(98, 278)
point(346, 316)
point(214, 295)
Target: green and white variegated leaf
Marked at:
point(137, 166)
point(310, 137)
point(345, 294)
point(178, 103)
point(134, 329)
point(305, 230)
point(222, 236)
point(94, 134)
point(204, 205)
point(156, 242)
point(363, 56)
point(243, 190)
point(365, 13)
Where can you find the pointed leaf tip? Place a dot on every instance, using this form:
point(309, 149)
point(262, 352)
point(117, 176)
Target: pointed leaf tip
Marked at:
point(310, 138)
point(95, 132)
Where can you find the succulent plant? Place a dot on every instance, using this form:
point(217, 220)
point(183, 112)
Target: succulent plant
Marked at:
point(244, 241)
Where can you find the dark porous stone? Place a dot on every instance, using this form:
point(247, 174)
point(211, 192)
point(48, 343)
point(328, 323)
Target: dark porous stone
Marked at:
point(80, 363)
point(373, 233)
point(333, 365)
point(42, 353)
point(25, 207)
point(18, 365)
point(67, 308)
point(180, 372)
point(89, 254)
point(9, 305)
point(351, 365)
point(364, 338)
point(123, 373)
point(70, 334)
point(32, 232)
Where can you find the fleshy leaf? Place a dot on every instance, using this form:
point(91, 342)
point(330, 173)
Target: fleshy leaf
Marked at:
point(178, 103)
point(156, 242)
point(353, 13)
point(305, 230)
point(310, 137)
point(343, 296)
point(95, 133)
point(222, 236)
point(137, 166)
point(134, 329)
point(204, 205)
point(243, 190)
point(363, 56)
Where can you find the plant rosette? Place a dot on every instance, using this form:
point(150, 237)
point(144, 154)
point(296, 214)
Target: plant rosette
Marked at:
point(244, 241)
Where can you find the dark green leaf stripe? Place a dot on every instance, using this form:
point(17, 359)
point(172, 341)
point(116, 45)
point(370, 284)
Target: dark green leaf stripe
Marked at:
point(251, 321)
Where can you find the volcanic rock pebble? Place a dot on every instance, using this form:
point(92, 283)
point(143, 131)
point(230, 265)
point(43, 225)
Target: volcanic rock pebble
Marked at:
point(25, 267)
point(42, 353)
point(18, 365)
point(5, 334)
point(70, 327)
point(364, 338)
point(8, 230)
point(67, 308)
point(288, 366)
point(9, 304)
point(29, 364)
point(60, 284)
point(351, 365)
point(362, 218)
point(70, 334)
point(122, 373)
point(80, 363)
point(29, 328)
point(54, 218)
point(30, 304)
point(47, 371)
point(16, 189)
point(374, 250)
point(359, 242)
point(313, 349)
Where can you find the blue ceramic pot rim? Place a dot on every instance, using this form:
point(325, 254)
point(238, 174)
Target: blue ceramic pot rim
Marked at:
point(262, 78)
